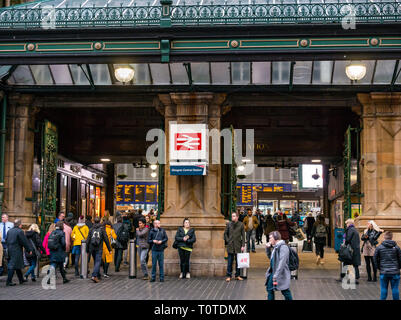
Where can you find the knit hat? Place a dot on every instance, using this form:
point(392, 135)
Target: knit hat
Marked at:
point(81, 219)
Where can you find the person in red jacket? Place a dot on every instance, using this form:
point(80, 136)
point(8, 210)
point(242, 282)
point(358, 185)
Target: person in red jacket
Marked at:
point(283, 224)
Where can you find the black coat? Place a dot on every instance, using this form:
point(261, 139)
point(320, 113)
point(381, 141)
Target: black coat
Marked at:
point(158, 234)
point(261, 220)
point(371, 236)
point(181, 234)
point(117, 226)
point(59, 254)
point(387, 258)
point(319, 240)
point(16, 241)
point(35, 238)
point(352, 238)
point(103, 238)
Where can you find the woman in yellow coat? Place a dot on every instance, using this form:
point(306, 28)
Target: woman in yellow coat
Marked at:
point(79, 233)
point(107, 256)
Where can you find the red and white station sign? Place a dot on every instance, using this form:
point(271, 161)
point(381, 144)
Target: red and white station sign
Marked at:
point(188, 141)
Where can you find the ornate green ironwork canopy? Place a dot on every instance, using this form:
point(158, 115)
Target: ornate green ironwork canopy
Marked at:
point(50, 14)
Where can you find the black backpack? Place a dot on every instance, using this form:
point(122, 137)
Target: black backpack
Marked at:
point(53, 242)
point(293, 260)
point(96, 238)
point(123, 235)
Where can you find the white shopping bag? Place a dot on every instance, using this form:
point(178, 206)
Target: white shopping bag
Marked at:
point(243, 260)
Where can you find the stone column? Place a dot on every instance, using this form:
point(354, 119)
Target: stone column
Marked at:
point(195, 197)
point(381, 161)
point(19, 154)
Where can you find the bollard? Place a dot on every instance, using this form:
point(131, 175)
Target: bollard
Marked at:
point(84, 261)
point(132, 274)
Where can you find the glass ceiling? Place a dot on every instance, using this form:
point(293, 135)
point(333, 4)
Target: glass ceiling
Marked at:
point(330, 73)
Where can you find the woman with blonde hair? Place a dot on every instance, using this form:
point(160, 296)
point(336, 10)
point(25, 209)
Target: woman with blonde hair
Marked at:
point(33, 236)
point(369, 238)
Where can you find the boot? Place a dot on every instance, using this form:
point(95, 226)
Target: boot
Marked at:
point(322, 261)
point(317, 260)
point(374, 277)
point(369, 277)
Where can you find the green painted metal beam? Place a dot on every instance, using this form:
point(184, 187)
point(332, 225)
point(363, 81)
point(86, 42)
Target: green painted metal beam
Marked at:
point(2, 148)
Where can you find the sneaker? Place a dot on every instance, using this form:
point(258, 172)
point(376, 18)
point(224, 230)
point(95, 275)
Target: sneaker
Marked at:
point(161, 280)
point(106, 276)
point(181, 275)
point(116, 270)
point(188, 276)
point(146, 277)
point(126, 263)
point(254, 251)
point(11, 284)
point(152, 280)
point(33, 279)
point(95, 280)
point(239, 278)
point(321, 261)
point(317, 260)
point(66, 280)
point(228, 279)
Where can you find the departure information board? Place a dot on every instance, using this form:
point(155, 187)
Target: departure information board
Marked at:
point(246, 191)
point(136, 192)
point(119, 192)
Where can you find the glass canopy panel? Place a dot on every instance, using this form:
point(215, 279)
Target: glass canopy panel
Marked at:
point(23, 75)
point(4, 70)
point(339, 76)
point(398, 81)
point(42, 74)
point(281, 72)
point(220, 72)
point(11, 80)
point(322, 71)
point(241, 72)
point(384, 71)
point(178, 73)
point(261, 72)
point(160, 73)
point(78, 75)
point(200, 72)
point(61, 74)
point(100, 74)
point(302, 72)
point(142, 75)
point(370, 66)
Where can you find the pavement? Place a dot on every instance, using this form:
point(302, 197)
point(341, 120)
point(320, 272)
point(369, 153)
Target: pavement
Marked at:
point(314, 283)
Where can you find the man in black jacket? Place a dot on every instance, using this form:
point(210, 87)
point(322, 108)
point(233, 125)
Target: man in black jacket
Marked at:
point(16, 241)
point(387, 259)
point(158, 239)
point(120, 245)
point(97, 235)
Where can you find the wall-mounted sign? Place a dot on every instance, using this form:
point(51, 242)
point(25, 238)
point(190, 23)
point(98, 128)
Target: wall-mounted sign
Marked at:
point(188, 142)
point(188, 168)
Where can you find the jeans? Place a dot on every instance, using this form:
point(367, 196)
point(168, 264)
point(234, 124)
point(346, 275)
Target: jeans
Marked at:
point(319, 247)
point(270, 291)
point(97, 258)
point(250, 235)
point(60, 265)
point(394, 280)
point(118, 256)
point(4, 260)
point(31, 270)
point(230, 260)
point(158, 257)
point(76, 263)
point(259, 233)
point(184, 260)
point(143, 252)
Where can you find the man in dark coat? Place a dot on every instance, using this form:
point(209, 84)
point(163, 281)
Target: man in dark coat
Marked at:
point(57, 256)
point(158, 239)
point(16, 241)
point(234, 238)
point(352, 238)
point(96, 249)
point(120, 246)
point(387, 259)
point(260, 228)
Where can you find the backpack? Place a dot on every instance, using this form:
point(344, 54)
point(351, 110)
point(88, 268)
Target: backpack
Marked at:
point(53, 242)
point(96, 238)
point(123, 235)
point(293, 259)
point(320, 231)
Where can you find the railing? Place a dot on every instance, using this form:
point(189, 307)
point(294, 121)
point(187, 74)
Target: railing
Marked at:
point(196, 14)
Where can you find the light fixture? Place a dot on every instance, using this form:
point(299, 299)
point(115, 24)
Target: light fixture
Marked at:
point(355, 71)
point(153, 174)
point(294, 182)
point(246, 160)
point(153, 166)
point(124, 73)
point(105, 160)
point(316, 175)
point(316, 161)
point(241, 168)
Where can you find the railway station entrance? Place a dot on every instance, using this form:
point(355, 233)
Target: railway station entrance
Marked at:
point(82, 89)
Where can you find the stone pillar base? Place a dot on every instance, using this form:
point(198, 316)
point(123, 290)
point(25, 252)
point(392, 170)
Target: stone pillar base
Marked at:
point(198, 267)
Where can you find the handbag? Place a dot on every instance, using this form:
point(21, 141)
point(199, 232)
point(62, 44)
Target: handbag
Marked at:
point(345, 254)
point(113, 241)
point(291, 230)
point(307, 246)
point(175, 244)
point(243, 260)
point(300, 234)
